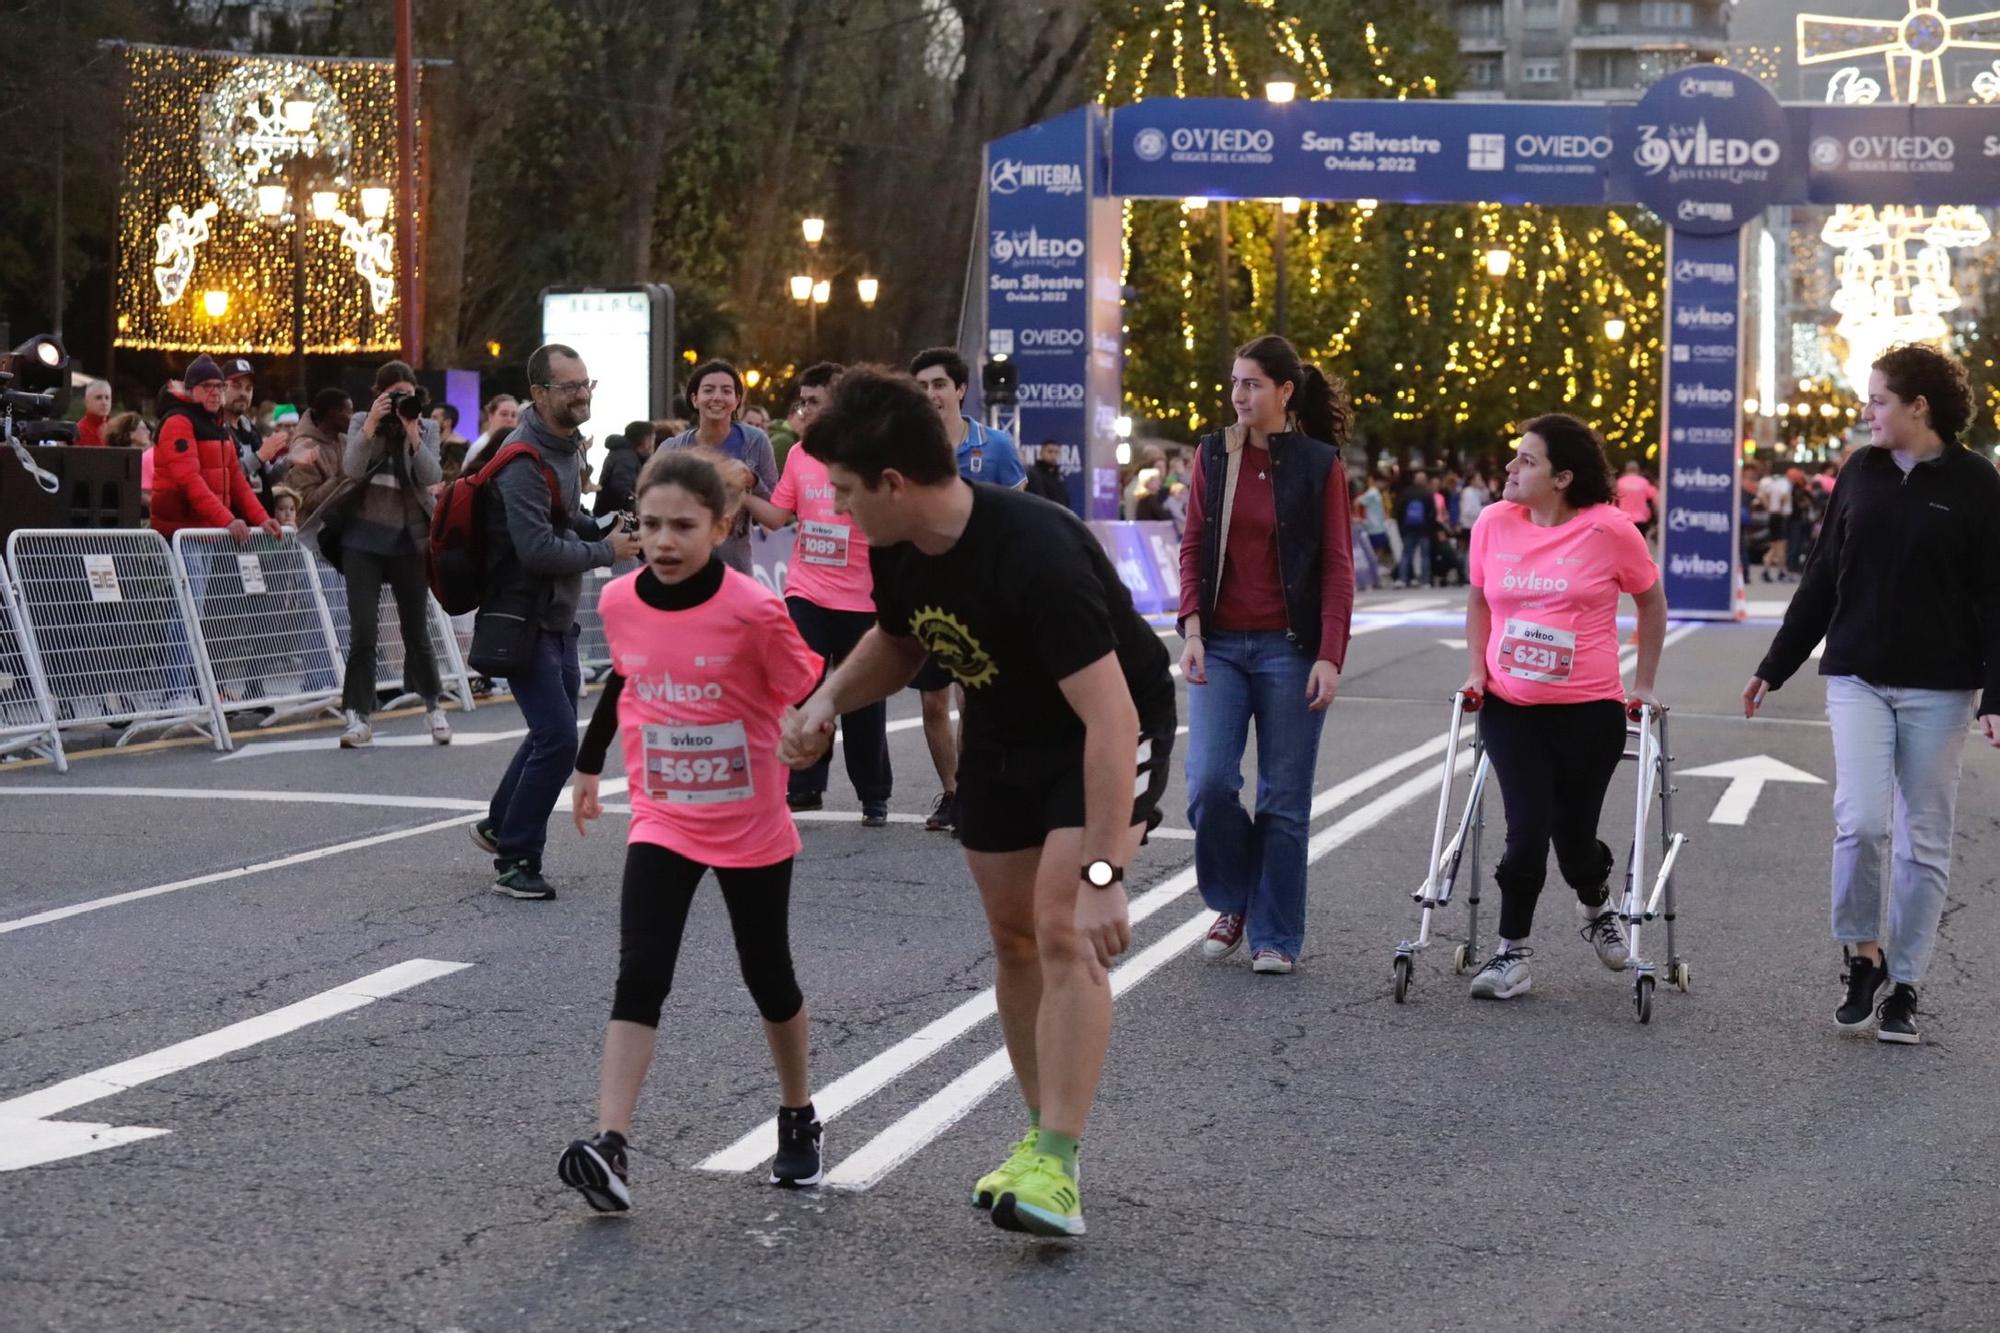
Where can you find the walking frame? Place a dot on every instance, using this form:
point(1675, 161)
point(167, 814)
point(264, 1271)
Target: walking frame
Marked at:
point(1641, 902)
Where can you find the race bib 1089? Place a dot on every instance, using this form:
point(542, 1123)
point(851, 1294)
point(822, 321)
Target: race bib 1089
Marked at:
point(824, 543)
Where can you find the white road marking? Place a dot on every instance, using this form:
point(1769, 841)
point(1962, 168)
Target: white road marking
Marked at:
point(267, 796)
point(1747, 777)
point(875, 1159)
point(858, 1084)
point(29, 1138)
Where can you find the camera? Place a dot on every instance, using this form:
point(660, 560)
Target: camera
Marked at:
point(410, 404)
point(35, 391)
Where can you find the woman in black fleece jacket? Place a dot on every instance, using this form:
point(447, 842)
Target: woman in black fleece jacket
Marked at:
point(1904, 585)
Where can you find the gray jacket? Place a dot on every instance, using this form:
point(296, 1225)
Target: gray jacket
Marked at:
point(526, 551)
point(394, 513)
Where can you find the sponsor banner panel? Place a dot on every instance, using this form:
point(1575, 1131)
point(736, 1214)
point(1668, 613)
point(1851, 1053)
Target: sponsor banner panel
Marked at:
point(1552, 153)
point(1700, 422)
point(1147, 558)
point(1038, 240)
point(1899, 154)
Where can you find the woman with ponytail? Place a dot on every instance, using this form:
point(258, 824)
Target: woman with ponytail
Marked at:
point(1267, 592)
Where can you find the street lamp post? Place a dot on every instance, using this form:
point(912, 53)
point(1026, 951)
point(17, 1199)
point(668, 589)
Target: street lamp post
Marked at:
point(1280, 286)
point(812, 291)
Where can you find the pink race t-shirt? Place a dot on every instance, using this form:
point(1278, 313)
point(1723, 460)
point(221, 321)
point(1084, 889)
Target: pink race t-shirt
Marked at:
point(1553, 594)
point(705, 692)
point(1635, 494)
point(830, 555)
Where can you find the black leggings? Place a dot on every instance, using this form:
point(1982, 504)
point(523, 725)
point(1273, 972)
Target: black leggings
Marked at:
point(659, 887)
point(1554, 763)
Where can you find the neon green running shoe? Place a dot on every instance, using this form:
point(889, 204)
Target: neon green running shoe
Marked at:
point(1043, 1200)
point(989, 1186)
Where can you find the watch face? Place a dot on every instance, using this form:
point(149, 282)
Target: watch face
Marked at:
point(1099, 873)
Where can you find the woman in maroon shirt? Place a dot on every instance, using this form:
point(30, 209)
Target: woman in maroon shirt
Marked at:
point(1267, 591)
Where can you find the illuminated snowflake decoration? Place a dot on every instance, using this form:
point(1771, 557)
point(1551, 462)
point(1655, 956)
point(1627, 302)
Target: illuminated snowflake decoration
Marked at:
point(175, 242)
point(374, 247)
point(1895, 266)
point(1913, 47)
point(244, 138)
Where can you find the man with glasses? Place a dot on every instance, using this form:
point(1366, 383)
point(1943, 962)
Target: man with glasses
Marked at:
point(536, 557)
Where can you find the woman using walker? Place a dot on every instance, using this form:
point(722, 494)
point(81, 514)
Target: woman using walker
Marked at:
point(1904, 586)
point(1267, 594)
point(713, 660)
point(1548, 564)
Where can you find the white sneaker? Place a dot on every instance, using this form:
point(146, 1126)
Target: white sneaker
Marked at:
point(1606, 934)
point(440, 726)
point(358, 734)
point(1504, 976)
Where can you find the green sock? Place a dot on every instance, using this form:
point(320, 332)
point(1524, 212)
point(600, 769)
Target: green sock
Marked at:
point(1061, 1146)
point(1034, 1118)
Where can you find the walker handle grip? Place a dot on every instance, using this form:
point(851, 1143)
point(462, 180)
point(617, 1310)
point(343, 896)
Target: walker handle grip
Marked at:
point(1473, 699)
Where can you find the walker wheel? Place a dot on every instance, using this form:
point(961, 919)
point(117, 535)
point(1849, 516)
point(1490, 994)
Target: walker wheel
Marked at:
point(1643, 999)
point(1461, 958)
point(1680, 977)
point(1402, 967)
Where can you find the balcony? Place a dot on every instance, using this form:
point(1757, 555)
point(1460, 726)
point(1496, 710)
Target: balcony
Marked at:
point(1650, 36)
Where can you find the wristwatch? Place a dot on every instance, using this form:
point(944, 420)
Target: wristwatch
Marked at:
point(1102, 874)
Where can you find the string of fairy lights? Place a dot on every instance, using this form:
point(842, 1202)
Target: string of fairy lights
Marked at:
point(1574, 321)
point(200, 269)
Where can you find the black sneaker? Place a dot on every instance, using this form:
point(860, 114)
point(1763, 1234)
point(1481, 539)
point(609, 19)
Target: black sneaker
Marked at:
point(1864, 978)
point(522, 880)
point(874, 814)
point(944, 813)
point(595, 1168)
point(805, 800)
point(482, 837)
point(798, 1162)
point(1898, 1016)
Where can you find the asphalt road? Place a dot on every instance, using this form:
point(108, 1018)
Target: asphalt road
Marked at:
point(1293, 1152)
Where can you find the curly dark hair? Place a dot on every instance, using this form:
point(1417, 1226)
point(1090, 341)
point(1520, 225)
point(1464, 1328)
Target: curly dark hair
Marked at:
point(1914, 371)
point(1576, 449)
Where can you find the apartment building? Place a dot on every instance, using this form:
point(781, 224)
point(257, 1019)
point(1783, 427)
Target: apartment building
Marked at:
point(1594, 50)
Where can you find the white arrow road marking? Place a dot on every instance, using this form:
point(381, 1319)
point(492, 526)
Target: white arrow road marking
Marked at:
point(1747, 777)
point(29, 1138)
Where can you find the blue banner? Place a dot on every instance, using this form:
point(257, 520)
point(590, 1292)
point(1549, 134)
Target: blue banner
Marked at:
point(1047, 250)
point(1709, 136)
point(1699, 424)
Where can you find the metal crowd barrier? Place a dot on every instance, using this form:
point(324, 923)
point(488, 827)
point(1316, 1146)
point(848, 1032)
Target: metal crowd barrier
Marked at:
point(389, 638)
point(27, 715)
point(110, 618)
point(263, 616)
point(593, 650)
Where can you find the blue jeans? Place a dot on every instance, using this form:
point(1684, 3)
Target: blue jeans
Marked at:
point(1253, 867)
point(540, 769)
point(1896, 758)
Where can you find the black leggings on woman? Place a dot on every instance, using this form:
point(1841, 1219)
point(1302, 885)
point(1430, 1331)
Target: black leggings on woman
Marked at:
point(1554, 763)
point(659, 888)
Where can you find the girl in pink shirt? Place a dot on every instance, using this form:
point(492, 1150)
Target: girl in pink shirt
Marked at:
point(704, 663)
point(1541, 625)
point(830, 592)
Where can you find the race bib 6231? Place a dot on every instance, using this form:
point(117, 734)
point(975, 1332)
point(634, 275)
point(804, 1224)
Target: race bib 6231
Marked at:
point(1529, 651)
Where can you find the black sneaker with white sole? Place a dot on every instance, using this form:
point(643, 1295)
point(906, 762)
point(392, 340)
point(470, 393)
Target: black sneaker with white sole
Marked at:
point(520, 880)
point(482, 837)
point(1896, 1020)
point(1865, 978)
point(595, 1168)
point(800, 1136)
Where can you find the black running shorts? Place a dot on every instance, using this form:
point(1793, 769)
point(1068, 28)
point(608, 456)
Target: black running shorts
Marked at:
point(1010, 801)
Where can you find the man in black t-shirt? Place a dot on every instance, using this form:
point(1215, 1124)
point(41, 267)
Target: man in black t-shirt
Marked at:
point(1069, 721)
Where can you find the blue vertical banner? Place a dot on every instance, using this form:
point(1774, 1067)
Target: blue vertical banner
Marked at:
point(1700, 423)
point(1052, 289)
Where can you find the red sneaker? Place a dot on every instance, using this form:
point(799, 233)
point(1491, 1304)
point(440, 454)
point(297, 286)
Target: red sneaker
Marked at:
point(1223, 937)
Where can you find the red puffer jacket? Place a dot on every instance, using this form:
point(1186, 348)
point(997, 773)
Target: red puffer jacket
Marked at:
point(197, 480)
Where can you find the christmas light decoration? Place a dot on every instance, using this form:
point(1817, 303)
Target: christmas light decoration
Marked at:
point(202, 130)
point(1895, 266)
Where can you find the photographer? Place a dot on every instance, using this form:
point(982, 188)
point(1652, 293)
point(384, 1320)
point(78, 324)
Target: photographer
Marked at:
point(382, 514)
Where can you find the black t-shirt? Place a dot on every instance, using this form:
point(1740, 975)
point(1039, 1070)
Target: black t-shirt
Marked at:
point(1024, 599)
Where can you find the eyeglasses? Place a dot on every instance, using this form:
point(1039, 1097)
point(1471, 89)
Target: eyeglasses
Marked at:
point(574, 386)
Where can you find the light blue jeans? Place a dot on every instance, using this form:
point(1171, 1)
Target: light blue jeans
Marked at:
point(1896, 754)
point(1253, 867)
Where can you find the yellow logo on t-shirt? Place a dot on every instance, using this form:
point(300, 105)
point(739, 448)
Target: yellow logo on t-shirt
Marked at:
point(954, 647)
